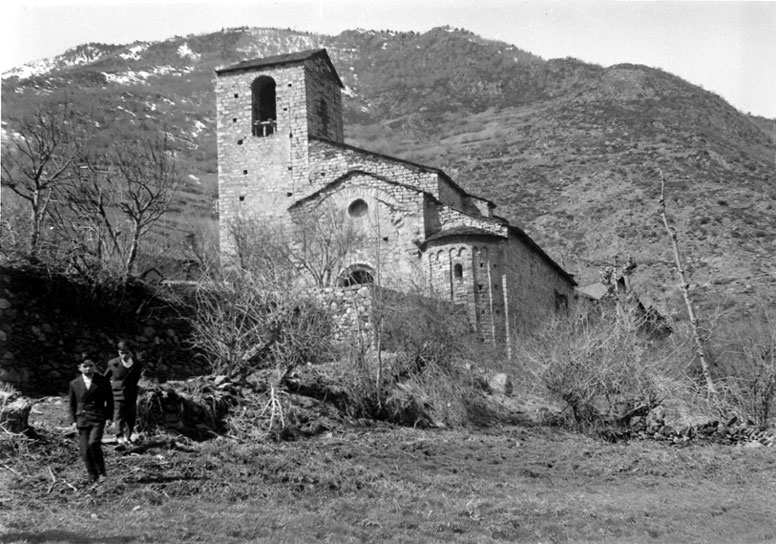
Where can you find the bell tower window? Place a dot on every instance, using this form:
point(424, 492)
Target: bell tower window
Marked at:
point(263, 106)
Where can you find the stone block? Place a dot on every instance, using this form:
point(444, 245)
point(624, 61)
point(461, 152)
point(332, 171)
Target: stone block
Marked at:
point(500, 384)
point(14, 415)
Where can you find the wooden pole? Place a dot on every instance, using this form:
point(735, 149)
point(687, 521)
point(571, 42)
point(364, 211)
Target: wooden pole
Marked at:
point(699, 347)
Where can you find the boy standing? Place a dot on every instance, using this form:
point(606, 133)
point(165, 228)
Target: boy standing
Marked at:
point(91, 406)
point(124, 373)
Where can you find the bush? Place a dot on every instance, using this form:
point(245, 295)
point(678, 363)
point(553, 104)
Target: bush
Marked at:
point(417, 373)
point(747, 359)
point(604, 370)
point(247, 324)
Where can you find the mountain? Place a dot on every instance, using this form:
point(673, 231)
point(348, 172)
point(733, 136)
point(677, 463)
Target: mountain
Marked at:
point(573, 152)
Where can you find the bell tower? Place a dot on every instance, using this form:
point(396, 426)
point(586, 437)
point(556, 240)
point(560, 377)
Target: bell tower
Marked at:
point(267, 111)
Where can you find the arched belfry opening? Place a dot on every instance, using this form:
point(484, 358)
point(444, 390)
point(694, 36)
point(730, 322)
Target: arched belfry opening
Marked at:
point(264, 106)
point(359, 274)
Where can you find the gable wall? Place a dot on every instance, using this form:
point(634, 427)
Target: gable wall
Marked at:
point(328, 162)
point(389, 232)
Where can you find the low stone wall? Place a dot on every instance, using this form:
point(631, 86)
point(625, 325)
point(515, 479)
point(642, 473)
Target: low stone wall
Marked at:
point(47, 323)
point(352, 311)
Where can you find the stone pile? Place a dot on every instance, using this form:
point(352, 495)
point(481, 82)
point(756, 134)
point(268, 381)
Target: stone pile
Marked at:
point(730, 432)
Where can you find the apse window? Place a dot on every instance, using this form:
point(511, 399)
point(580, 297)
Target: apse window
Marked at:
point(358, 208)
point(458, 271)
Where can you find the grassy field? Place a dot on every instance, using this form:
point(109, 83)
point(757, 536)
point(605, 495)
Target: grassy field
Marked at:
point(390, 484)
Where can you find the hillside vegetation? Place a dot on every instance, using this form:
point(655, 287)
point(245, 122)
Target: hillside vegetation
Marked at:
point(568, 150)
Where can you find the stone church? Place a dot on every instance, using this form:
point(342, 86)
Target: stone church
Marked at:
point(282, 156)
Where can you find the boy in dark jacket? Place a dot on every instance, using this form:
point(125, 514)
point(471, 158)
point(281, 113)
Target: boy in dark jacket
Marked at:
point(124, 373)
point(91, 406)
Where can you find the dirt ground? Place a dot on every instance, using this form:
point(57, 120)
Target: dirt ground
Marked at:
point(381, 483)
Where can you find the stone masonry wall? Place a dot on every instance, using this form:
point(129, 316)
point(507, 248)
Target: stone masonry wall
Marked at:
point(533, 286)
point(449, 217)
point(328, 162)
point(352, 311)
point(323, 119)
point(387, 234)
point(480, 285)
point(255, 174)
point(47, 324)
point(263, 176)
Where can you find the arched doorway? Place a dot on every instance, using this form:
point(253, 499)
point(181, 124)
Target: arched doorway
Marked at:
point(359, 274)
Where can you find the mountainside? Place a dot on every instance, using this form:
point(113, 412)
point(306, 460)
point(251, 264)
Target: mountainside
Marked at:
point(570, 151)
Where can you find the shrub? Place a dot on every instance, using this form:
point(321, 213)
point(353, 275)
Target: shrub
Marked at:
point(747, 359)
point(418, 371)
point(247, 324)
point(604, 369)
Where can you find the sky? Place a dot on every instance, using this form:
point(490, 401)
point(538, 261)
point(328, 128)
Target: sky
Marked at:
point(726, 47)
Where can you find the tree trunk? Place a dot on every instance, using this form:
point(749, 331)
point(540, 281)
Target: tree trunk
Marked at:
point(699, 347)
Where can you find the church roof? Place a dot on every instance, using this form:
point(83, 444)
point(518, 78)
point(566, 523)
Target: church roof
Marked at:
point(461, 231)
point(417, 166)
point(277, 60)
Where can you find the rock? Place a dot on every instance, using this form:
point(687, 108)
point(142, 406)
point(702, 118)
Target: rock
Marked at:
point(637, 423)
point(708, 428)
point(667, 431)
point(753, 445)
point(655, 419)
point(14, 416)
point(303, 402)
point(500, 384)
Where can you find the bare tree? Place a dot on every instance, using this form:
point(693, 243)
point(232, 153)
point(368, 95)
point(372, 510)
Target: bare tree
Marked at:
point(323, 240)
point(315, 245)
point(118, 197)
point(145, 173)
point(38, 160)
point(262, 248)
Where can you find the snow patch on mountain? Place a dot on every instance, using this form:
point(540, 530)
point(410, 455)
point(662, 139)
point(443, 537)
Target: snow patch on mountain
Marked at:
point(134, 52)
point(184, 51)
point(30, 69)
point(199, 126)
point(141, 76)
point(126, 77)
